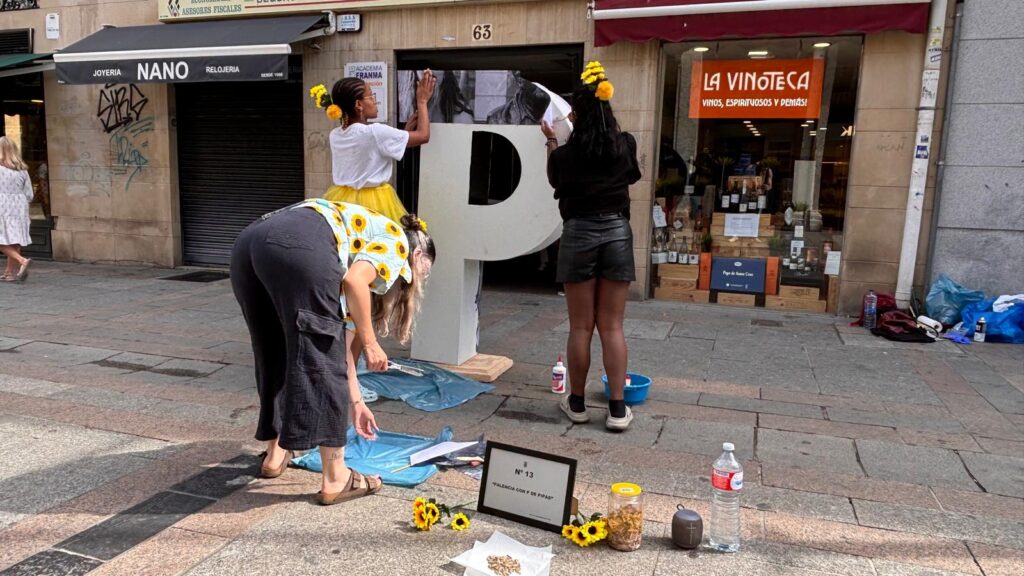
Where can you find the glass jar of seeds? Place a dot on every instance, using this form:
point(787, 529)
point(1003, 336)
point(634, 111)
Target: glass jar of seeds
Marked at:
point(625, 516)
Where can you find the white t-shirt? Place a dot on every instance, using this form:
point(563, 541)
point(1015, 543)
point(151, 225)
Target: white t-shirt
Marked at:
point(361, 154)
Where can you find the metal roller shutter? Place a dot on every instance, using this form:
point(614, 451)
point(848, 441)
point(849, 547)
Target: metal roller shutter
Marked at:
point(240, 155)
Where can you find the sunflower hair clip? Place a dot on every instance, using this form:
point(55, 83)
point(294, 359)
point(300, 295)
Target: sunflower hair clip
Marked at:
point(597, 81)
point(322, 99)
point(423, 224)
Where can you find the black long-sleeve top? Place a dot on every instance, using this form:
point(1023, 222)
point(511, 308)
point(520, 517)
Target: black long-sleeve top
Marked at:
point(587, 186)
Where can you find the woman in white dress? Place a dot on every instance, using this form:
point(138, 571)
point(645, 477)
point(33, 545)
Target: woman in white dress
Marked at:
point(15, 195)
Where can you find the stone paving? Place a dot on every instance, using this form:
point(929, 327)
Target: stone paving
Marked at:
point(127, 404)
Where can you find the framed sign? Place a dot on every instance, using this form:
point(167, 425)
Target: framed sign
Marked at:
point(738, 275)
point(527, 486)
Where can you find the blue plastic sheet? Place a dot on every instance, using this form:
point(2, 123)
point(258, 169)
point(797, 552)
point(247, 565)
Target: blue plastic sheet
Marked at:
point(947, 299)
point(390, 451)
point(1006, 326)
point(436, 390)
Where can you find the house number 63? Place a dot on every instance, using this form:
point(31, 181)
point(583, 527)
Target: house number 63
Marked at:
point(482, 31)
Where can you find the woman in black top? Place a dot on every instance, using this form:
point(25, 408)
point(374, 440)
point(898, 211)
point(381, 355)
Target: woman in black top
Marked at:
point(591, 175)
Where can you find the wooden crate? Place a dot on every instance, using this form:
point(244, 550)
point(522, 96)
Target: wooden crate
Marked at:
point(678, 271)
point(800, 292)
point(739, 252)
point(718, 219)
point(682, 295)
point(780, 303)
point(744, 300)
point(677, 283)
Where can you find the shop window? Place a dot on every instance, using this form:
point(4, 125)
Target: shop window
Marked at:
point(23, 119)
point(754, 160)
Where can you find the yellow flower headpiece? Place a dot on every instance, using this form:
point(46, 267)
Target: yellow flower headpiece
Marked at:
point(322, 99)
point(594, 77)
point(423, 224)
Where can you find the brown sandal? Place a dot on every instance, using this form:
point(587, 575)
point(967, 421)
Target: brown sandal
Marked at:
point(350, 492)
point(266, 472)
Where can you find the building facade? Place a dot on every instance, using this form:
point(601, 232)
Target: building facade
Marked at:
point(164, 172)
point(979, 226)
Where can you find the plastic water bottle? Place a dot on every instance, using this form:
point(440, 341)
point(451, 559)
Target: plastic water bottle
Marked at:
point(726, 485)
point(558, 377)
point(870, 309)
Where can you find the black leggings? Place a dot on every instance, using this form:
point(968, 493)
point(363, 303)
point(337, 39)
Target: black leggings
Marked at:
point(287, 278)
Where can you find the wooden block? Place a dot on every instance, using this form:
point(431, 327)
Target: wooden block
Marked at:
point(780, 303)
point(678, 271)
point(771, 276)
point(680, 295)
point(678, 284)
point(800, 292)
point(744, 300)
point(482, 367)
point(704, 277)
point(832, 300)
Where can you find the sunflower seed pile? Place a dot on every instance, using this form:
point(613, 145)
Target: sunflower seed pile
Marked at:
point(504, 565)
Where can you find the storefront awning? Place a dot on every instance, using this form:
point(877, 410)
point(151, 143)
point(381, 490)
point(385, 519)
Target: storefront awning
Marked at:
point(15, 64)
point(225, 50)
point(681, 20)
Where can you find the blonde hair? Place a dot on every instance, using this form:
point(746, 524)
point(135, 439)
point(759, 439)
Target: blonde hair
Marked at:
point(397, 309)
point(10, 157)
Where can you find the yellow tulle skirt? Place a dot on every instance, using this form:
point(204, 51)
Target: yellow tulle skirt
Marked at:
point(382, 199)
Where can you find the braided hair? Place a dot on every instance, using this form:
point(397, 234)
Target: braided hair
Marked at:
point(345, 93)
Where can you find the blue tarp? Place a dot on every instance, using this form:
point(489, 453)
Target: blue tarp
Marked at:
point(390, 451)
point(436, 390)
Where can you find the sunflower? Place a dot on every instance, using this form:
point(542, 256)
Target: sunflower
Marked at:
point(602, 529)
point(393, 229)
point(581, 539)
point(337, 219)
point(359, 223)
point(431, 513)
point(460, 522)
point(569, 532)
point(384, 273)
point(358, 244)
point(419, 503)
point(334, 112)
point(605, 91)
point(401, 249)
point(377, 248)
point(420, 519)
point(592, 531)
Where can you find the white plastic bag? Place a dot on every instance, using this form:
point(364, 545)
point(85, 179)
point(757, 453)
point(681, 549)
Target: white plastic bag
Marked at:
point(535, 561)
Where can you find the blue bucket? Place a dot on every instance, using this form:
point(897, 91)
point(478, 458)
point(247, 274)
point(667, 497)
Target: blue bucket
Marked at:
point(635, 393)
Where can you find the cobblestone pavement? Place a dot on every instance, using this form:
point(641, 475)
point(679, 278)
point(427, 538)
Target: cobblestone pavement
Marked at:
point(127, 405)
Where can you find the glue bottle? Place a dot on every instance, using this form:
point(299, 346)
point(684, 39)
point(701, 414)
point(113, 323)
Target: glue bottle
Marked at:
point(558, 377)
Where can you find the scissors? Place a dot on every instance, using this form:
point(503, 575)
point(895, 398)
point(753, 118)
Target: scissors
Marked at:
point(405, 369)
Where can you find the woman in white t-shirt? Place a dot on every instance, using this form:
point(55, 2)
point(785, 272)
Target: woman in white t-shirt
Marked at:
point(362, 153)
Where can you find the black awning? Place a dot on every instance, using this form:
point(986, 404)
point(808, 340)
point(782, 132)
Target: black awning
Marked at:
point(15, 64)
point(224, 50)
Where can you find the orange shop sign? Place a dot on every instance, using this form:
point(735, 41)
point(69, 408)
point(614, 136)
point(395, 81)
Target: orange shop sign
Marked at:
point(756, 88)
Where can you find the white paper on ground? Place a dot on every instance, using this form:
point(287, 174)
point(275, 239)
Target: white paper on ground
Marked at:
point(436, 451)
point(535, 561)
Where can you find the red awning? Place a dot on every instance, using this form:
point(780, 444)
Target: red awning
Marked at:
point(682, 20)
